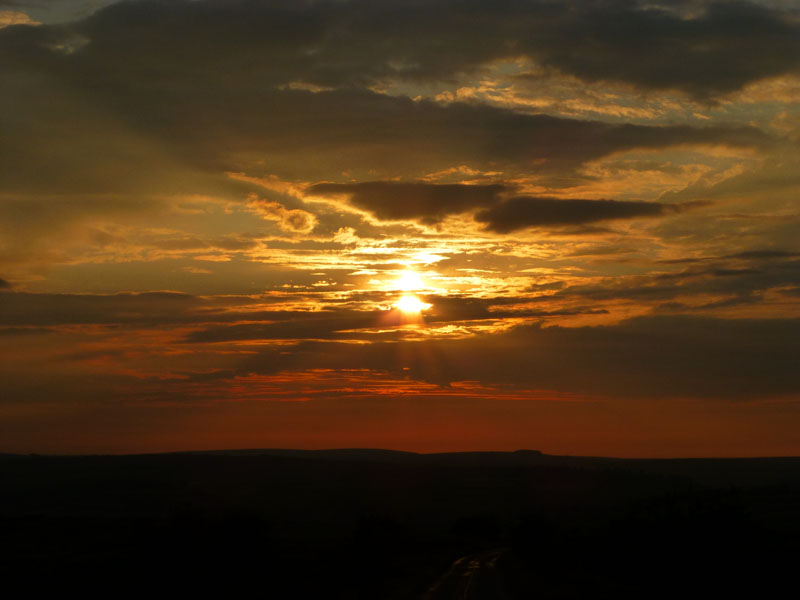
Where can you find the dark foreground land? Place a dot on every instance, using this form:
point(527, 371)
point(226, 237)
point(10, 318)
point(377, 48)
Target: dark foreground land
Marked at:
point(390, 525)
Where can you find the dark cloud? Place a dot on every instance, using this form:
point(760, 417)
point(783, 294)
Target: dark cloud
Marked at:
point(654, 356)
point(207, 94)
point(467, 308)
point(185, 136)
point(720, 48)
point(523, 212)
point(4, 285)
point(779, 176)
point(749, 255)
point(658, 356)
point(147, 308)
point(428, 203)
point(52, 309)
point(742, 285)
point(230, 318)
point(764, 254)
point(712, 48)
point(302, 326)
point(664, 356)
point(218, 323)
point(16, 331)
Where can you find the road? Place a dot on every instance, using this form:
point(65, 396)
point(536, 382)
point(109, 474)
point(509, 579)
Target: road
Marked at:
point(473, 577)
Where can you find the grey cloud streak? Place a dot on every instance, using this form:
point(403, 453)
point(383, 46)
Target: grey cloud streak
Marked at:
point(663, 356)
point(499, 210)
point(518, 213)
point(220, 318)
point(429, 203)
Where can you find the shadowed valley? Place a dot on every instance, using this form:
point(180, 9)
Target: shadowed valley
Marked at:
point(383, 524)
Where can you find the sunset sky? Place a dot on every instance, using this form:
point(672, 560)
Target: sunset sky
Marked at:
point(424, 225)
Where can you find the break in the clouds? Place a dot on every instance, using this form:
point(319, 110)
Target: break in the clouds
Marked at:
point(526, 215)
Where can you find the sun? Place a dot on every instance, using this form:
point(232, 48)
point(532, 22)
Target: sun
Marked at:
point(411, 305)
point(409, 281)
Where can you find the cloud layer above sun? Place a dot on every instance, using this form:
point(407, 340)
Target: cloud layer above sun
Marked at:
point(506, 214)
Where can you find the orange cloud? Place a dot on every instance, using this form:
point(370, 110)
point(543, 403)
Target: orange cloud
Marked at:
point(291, 220)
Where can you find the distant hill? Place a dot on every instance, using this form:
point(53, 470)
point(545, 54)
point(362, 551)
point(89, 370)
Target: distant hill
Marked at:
point(707, 471)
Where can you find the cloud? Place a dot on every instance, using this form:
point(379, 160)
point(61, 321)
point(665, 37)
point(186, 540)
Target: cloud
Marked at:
point(708, 282)
point(430, 203)
point(674, 356)
point(162, 144)
point(523, 212)
point(15, 17)
point(718, 49)
point(320, 325)
point(702, 48)
point(344, 324)
point(654, 356)
point(185, 107)
point(765, 254)
point(230, 318)
point(20, 308)
point(645, 357)
point(427, 203)
point(660, 356)
point(106, 136)
point(293, 220)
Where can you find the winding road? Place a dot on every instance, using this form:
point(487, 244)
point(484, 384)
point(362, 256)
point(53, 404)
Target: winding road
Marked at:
point(473, 577)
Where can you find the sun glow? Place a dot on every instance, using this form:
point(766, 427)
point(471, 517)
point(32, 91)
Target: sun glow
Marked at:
point(411, 305)
point(409, 281)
